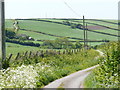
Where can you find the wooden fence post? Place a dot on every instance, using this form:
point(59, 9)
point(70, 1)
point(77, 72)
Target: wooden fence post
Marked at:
point(64, 52)
point(30, 54)
point(26, 53)
point(10, 56)
point(58, 52)
point(72, 51)
point(37, 53)
point(46, 52)
point(42, 54)
point(17, 56)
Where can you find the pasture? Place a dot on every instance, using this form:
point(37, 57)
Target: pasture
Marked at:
point(43, 30)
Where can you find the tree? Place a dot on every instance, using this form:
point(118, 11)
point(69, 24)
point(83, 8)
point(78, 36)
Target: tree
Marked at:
point(10, 34)
point(58, 43)
point(78, 44)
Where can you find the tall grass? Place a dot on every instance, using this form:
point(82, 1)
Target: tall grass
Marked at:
point(45, 70)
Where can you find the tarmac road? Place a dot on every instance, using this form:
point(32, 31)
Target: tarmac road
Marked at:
point(74, 80)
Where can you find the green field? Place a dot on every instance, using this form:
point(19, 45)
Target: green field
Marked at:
point(50, 28)
point(37, 35)
point(40, 30)
point(12, 48)
point(104, 23)
point(62, 30)
point(9, 23)
point(110, 31)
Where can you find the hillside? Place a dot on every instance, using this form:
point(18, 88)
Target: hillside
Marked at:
point(40, 51)
point(50, 29)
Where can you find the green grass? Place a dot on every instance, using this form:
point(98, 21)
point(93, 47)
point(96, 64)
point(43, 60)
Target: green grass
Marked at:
point(94, 43)
point(12, 48)
point(48, 68)
point(40, 42)
point(90, 81)
point(8, 23)
point(101, 23)
point(104, 23)
point(111, 20)
point(15, 48)
point(98, 36)
point(110, 31)
point(37, 36)
point(55, 20)
point(50, 28)
point(61, 30)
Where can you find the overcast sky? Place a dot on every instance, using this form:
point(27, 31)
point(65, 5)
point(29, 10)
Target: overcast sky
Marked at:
point(95, 9)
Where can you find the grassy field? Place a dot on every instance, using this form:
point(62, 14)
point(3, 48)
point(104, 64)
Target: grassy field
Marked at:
point(58, 30)
point(110, 31)
point(37, 35)
point(50, 28)
point(104, 23)
point(8, 23)
point(12, 48)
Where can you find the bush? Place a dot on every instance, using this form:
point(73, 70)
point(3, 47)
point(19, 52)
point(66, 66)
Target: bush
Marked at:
point(27, 73)
point(107, 73)
point(60, 43)
point(10, 34)
point(16, 41)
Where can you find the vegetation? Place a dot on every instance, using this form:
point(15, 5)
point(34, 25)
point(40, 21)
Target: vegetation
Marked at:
point(37, 72)
point(60, 43)
point(10, 33)
point(12, 48)
point(28, 43)
point(108, 71)
point(13, 37)
point(58, 29)
point(61, 27)
point(90, 81)
point(106, 75)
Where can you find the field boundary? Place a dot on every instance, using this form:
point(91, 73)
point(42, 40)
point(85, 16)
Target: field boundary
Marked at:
point(40, 53)
point(79, 28)
point(63, 36)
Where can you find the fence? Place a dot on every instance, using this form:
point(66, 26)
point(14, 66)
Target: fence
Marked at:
point(40, 53)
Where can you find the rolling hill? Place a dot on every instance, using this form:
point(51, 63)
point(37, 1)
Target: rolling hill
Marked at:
point(50, 29)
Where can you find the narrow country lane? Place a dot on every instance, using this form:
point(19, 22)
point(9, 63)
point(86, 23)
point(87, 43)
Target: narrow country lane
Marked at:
point(74, 80)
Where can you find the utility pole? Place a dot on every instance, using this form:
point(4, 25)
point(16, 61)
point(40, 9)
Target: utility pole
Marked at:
point(2, 33)
point(84, 31)
point(86, 35)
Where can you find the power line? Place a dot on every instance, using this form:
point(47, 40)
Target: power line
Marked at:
point(71, 8)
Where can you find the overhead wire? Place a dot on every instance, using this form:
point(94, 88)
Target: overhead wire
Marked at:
point(70, 8)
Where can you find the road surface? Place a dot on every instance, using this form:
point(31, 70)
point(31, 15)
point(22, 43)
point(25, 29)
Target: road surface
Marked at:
point(74, 80)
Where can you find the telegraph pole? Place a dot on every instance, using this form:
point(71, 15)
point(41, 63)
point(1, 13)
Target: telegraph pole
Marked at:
point(2, 33)
point(86, 35)
point(84, 31)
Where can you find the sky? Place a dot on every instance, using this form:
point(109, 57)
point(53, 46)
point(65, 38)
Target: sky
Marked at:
point(91, 9)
